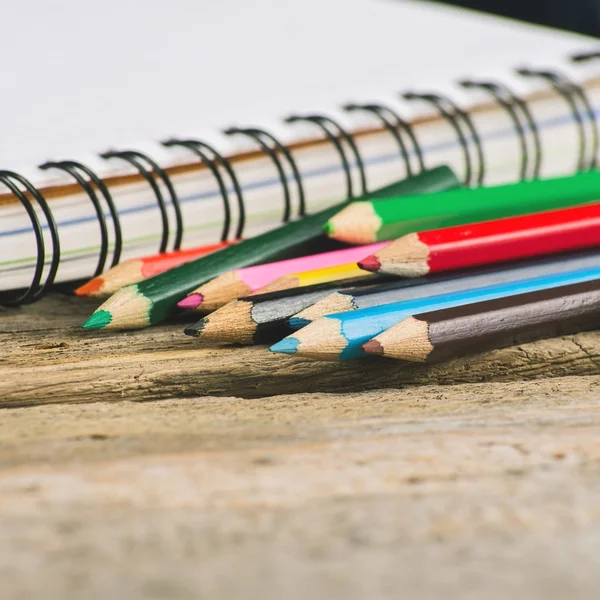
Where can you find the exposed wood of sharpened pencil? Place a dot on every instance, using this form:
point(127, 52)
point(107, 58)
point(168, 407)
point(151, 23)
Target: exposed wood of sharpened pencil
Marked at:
point(262, 318)
point(443, 334)
point(488, 242)
point(340, 336)
point(439, 283)
point(366, 222)
point(151, 301)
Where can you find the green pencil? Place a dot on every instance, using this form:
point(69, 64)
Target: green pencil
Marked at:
point(367, 222)
point(152, 300)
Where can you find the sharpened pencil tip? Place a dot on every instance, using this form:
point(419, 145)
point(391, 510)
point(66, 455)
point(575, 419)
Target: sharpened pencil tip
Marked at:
point(288, 345)
point(298, 322)
point(99, 320)
point(90, 288)
point(191, 302)
point(195, 329)
point(373, 347)
point(328, 228)
point(370, 263)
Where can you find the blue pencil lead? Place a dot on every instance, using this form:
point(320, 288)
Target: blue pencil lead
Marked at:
point(298, 322)
point(288, 345)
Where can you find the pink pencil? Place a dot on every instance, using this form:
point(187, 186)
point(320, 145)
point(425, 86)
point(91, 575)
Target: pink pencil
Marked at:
point(241, 282)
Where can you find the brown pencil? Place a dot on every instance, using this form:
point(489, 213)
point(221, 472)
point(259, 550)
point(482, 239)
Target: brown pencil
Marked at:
point(443, 334)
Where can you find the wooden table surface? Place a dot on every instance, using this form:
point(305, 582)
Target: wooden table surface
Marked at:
point(251, 475)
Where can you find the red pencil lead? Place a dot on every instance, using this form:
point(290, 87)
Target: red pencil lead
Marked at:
point(370, 263)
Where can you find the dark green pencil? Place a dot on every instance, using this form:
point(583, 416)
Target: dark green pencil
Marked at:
point(152, 300)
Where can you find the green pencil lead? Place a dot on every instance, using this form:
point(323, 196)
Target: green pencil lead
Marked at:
point(328, 228)
point(99, 320)
point(287, 345)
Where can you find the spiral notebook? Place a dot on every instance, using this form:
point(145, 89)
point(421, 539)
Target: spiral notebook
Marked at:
point(373, 86)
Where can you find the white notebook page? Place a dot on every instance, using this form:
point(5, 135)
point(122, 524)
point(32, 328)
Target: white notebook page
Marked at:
point(82, 79)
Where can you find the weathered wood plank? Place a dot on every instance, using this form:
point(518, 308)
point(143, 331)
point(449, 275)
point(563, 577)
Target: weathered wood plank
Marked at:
point(482, 488)
point(47, 358)
point(486, 491)
point(57, 434)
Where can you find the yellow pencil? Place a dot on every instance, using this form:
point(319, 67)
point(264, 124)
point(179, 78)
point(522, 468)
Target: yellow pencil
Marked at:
point(313, 277)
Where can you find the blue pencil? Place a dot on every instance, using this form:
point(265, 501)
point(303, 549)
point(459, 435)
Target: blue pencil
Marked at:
point(399, 290)
point(340, 336)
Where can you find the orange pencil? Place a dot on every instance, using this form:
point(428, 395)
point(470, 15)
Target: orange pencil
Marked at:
point(138, 269)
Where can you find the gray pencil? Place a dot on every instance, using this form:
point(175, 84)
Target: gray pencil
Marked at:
point(396, 291)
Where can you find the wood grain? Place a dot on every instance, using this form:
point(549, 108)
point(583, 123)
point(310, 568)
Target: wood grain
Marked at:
point(484, 490)
point(46, 358)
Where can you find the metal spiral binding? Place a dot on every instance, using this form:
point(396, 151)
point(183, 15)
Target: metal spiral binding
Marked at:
point(114, 214)
point(87, 188)
point(287, 200)
point(164, 240)
point(533, 128)
point(323, 122)
point(390, 126)
point(193, 144)
point(167, 182)
point(507, 102)
point(288, 155)
point(35, 290)
point(591, 117)
point(220, 183)
point(257, 134)
point(402, 131)
point(585, 56)
point(162, 174)
point(474, 135)
point(452, 118)
point(567, 90)
point(335, 143)
point(401, 123)
point(579, 58)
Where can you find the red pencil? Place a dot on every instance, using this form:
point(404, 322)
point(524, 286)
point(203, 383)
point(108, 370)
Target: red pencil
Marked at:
point(488, 242)
point(138, 269)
